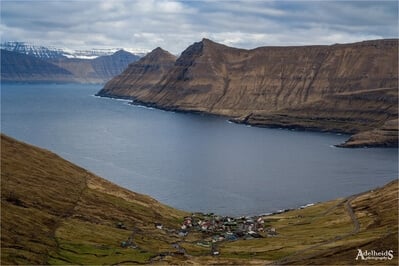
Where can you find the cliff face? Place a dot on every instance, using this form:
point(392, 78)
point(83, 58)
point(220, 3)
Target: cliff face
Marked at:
point(25, 68)
point(141, 78)
point(343, 87)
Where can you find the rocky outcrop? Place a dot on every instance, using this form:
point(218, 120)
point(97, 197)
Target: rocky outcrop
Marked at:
point(384, 136)
point(343, 87)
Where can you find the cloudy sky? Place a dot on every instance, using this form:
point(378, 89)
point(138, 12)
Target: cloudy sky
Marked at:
point(173, 25)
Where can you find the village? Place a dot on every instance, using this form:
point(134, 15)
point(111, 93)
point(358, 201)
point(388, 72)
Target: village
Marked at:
point(225, 227)
point(214, 229)
point(217, 229)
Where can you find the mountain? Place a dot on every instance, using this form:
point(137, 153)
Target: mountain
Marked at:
point(97, 70)
point(143, 75)
point(350, 88)
point(54, 212)
point(44, 52)
point(22, 67)
point(41, 52)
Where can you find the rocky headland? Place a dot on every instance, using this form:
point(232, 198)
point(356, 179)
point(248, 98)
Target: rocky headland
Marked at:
point(349, 88)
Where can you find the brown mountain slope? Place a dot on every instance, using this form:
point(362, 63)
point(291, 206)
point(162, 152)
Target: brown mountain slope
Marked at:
point(252, 85)
point(142, 76)
point(54, 212)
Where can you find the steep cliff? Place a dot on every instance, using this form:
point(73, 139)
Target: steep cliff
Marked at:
point(141, 77)
point(342, 87)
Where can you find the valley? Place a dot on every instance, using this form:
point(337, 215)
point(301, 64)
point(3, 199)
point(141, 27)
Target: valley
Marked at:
point(54, 212)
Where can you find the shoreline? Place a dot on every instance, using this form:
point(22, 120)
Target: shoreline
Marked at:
point(237, 120)
point(262, 214)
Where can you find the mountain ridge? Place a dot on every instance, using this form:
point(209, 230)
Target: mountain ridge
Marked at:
point(17, 66)
point(261, 85)
point(22, 67)
point(44, 52)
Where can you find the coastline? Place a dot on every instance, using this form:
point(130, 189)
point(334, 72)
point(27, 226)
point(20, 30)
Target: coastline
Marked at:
point(244, 121)
point(98, 221)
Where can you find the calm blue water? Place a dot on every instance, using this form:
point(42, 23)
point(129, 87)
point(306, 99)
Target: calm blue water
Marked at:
point(192, 162)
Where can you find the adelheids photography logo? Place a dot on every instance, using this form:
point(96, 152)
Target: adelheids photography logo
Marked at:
point(374, 255)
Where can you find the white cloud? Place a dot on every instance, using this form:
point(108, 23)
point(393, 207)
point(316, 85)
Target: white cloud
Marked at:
point(174, 24)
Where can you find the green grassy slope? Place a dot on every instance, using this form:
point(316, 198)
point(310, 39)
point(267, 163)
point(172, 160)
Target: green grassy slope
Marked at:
point(53, 212)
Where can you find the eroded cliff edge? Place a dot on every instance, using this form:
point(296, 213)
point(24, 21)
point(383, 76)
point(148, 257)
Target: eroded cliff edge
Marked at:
point(350, 88)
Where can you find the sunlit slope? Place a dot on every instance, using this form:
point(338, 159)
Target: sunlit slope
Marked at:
point(330, 232)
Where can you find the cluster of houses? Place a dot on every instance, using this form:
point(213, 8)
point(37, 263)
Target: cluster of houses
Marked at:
point(215, 229)
point(225, 228)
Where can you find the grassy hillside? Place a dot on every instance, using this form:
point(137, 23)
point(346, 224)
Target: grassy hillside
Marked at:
point(54, 212)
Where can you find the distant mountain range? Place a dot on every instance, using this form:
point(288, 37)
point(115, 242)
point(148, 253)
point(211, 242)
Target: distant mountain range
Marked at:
point(44, 52)
point(351, 88)
point(21, 62)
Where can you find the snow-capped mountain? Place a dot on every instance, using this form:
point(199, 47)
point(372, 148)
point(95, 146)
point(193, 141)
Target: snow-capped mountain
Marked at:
point(23, 62)
point(36, 51)
point(94, 53)
point(43, 52)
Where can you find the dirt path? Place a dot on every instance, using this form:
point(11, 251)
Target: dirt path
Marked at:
point(62, 217)
point(351, 213)
point(356, 228)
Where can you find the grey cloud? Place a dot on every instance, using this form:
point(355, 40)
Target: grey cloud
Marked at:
point(176, 24)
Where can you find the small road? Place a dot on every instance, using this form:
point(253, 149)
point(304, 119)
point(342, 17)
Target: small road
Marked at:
point(349, 209)
point(356, 228)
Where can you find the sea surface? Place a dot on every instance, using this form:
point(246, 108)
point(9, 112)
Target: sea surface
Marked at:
point(190, 161)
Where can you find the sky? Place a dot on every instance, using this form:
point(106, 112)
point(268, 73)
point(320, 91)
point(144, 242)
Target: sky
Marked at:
point(174, 25)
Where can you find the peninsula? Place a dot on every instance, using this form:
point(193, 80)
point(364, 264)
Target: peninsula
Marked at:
point(349, 88)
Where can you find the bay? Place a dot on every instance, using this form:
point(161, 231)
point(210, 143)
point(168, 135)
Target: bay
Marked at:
point(189, 161)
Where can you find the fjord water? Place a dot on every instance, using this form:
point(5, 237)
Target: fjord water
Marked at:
point(192, 162)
